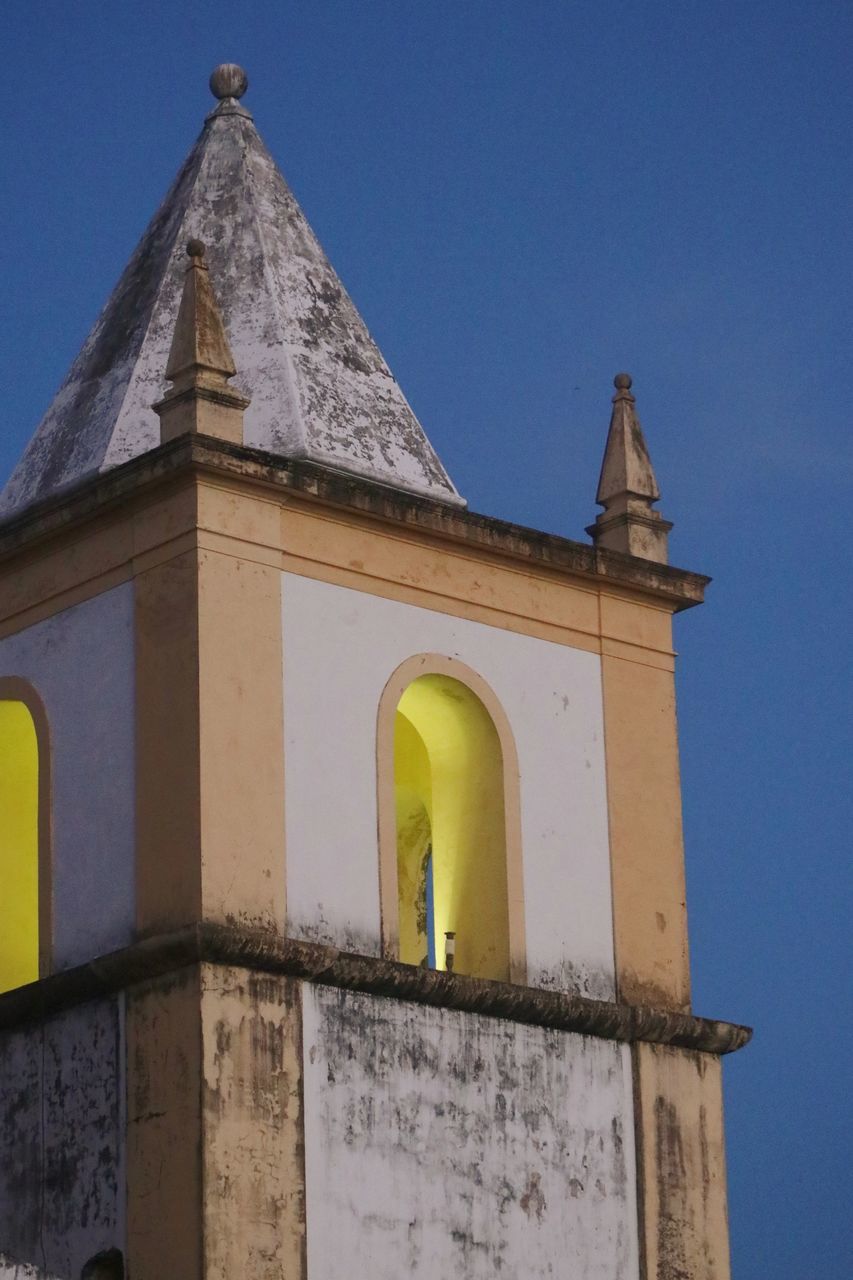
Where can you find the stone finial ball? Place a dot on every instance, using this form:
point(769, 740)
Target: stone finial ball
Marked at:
point(195, 248)
point(622, 382)
point(228, 81)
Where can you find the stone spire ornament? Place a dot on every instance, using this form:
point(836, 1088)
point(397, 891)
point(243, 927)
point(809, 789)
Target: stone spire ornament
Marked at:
point(200, 364)
point(627, 487)
point(228, 83)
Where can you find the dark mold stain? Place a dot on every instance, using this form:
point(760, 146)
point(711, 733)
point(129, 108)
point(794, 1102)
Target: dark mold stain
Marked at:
point(671, 1167)
point(60, 1118)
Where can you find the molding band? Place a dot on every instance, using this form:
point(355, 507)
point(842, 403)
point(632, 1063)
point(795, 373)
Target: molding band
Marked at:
point(262, 952)
point(201, 454)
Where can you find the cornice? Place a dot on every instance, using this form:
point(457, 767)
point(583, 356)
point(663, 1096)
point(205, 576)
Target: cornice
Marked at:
point(160, 956)
point(297, 479)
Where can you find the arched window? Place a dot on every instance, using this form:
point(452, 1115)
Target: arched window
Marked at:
point(23, 837)
point(449, 829)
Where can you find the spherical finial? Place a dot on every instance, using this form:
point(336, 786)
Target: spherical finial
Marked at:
point(622, 382)
point(228, 81)
point(195, 248)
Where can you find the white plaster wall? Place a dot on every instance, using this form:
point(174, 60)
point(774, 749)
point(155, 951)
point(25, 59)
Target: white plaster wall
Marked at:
point(444, 1144)
point(81, 662)
point(340, 648)
point(14, 1271)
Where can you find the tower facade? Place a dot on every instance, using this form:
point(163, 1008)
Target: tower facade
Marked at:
point(343, 903)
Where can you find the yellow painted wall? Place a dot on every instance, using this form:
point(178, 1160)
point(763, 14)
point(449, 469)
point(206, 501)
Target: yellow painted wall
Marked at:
point(413, 797)
point(449, 781)
point(19, 857)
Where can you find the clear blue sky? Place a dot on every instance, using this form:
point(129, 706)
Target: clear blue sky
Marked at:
point(524, 197)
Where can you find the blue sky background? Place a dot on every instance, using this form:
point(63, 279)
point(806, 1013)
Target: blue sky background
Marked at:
point(524, 197)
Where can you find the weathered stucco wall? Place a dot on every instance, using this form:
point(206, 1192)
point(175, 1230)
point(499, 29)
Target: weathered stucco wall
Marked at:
point(214, 1160)
point(62, 1188)
point(254, 1201)
point(445, 1144)
point(683, 1163)
point(340, 648)
point(81, 664)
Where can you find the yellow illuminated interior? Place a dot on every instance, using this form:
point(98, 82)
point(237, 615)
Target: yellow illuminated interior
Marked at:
point(19, 858)
point(448, 774)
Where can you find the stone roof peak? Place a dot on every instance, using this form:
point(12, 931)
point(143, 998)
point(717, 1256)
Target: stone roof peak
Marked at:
point(627, 486)
point(319, 386)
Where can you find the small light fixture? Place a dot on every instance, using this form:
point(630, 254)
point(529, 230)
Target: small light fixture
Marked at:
point(449, 949)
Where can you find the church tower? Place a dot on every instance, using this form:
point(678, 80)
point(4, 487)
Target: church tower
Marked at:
point(342, 906)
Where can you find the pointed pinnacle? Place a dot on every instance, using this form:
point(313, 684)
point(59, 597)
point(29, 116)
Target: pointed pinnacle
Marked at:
point(200, 364)
point(627, 467)
point(627, 486)
point(200, 350)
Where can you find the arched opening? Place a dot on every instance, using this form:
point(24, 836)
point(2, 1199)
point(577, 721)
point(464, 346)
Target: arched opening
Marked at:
point(451, 830)
point(20, 839)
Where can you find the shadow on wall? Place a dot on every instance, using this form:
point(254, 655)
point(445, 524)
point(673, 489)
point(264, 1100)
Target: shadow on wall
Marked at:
point(107, 1265)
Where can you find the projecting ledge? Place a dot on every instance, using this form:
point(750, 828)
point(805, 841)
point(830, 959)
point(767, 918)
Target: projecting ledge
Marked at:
point(312, 962)
point(199, 454)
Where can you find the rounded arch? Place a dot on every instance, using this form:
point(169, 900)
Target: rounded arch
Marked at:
point(17, 692)
point(401, 680)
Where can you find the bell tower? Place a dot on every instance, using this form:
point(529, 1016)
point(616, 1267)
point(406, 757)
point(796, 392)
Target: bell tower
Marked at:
point(342, 906)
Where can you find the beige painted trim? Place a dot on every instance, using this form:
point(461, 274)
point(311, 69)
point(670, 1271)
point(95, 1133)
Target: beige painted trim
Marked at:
point(165, 1127)
point(353, 549)
point(63, 600)
point(209, 744)
point(254, 1125)
point(16, 689)
point(646, 844)
point(636, 622)
point(168, 807)
point(469, 576)
point(215, 1125)
point(76, 564)
point(241, 743)
point(681, 1163)
point(438, 664)
point(635, 653)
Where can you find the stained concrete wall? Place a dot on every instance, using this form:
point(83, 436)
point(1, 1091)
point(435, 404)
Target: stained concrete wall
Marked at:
point(444, 1144)
point(683, 1163)
point(340, 648)
point(62, 1140)
point(254, 1203)
point(81, 663)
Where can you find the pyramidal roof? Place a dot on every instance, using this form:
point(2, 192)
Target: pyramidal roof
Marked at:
point(319, 386)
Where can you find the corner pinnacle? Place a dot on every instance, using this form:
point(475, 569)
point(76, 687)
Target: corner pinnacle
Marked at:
point(627, 486)
point(200, 364)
